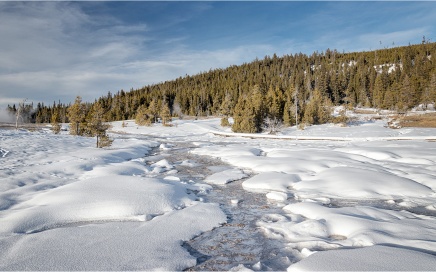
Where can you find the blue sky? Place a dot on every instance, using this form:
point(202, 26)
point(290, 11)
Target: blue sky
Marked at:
point(52, 51)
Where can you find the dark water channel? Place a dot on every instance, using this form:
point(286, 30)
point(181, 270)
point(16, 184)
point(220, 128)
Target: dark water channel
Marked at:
point(240, 240)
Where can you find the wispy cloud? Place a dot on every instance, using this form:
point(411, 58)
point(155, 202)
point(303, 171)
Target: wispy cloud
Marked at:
point(54, 49)
point(57, 50)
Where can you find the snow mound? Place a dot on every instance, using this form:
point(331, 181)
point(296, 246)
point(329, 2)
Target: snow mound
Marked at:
point(189, 163)
point(279, 196)
point(226, 176)
point(327, 228)
point(374, 258)
point(99, 199)
point(270, 181)
point(227, 151)
point(172, 178)
point(163, 164)
point(166, 146)
point(350, 182)
point(151, 245)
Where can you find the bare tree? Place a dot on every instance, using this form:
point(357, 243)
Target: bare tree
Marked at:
point(20, 112)
point(272, 124)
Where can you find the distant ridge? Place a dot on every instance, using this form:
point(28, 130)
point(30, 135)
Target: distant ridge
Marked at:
point(396, 78)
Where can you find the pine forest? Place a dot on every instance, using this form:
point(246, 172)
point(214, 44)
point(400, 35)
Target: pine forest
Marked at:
point(266, 93)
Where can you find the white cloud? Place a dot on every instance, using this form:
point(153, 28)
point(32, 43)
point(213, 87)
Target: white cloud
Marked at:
point(56, 51)
point(52, 50)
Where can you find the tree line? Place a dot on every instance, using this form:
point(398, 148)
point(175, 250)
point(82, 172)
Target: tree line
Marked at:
point(262, 94)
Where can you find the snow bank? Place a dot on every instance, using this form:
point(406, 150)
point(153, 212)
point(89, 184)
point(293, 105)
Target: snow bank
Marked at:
point(99, 199)
point(65, 205)
point(371, 167)
point(152, 245)
point(350, 182)
point(274, 181)
point(161, 166)
point(279, 196)
point(319, 228)
point(374, 258)
point(244, 156)
point(225, 176)
point(99, 209)
point(369, 171)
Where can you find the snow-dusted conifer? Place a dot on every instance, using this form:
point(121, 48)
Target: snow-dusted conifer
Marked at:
point(76, 115)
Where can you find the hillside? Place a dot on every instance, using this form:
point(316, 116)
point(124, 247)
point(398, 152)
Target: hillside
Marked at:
point(271, 90)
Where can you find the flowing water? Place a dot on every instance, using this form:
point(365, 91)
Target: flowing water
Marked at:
point(240, 240)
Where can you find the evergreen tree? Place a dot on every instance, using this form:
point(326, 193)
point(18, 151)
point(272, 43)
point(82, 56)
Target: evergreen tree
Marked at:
point(275, 103)
point(432, 89)
point(249, 112)
point(274, 109)
point(317, 110)
point(165, 114)
point(291, 108)
point(226, 110)
point(287, 116)
point(96, 127)
point(143, 116)
point(243, 120)
point(406, 97)
point(153, 110)
point(390, 98)
point(378, 93)
point(55, 125)
point(428, 95)
point(76, 115)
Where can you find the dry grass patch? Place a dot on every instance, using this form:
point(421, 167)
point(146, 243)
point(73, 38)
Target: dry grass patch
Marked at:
point(424, 120)
point(365, 111)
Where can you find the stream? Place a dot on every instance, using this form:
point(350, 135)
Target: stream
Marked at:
point(239, 241)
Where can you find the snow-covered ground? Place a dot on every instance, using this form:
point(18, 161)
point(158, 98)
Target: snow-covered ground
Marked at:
point(361, 197)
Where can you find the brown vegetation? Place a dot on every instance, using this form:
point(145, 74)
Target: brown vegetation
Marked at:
point(416, 120)
point(365, 111)
point(421, 120)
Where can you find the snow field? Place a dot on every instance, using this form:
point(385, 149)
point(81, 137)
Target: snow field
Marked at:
point(367, 200)
point(106, 198)
point(153, 245)
point(66, 205)
point(325, 228)
point(400, 174)
point(374, 258)
point(334, 172)
point(325, 173)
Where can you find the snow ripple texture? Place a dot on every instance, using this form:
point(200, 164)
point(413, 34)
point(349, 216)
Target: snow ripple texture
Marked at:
point(177, 198)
